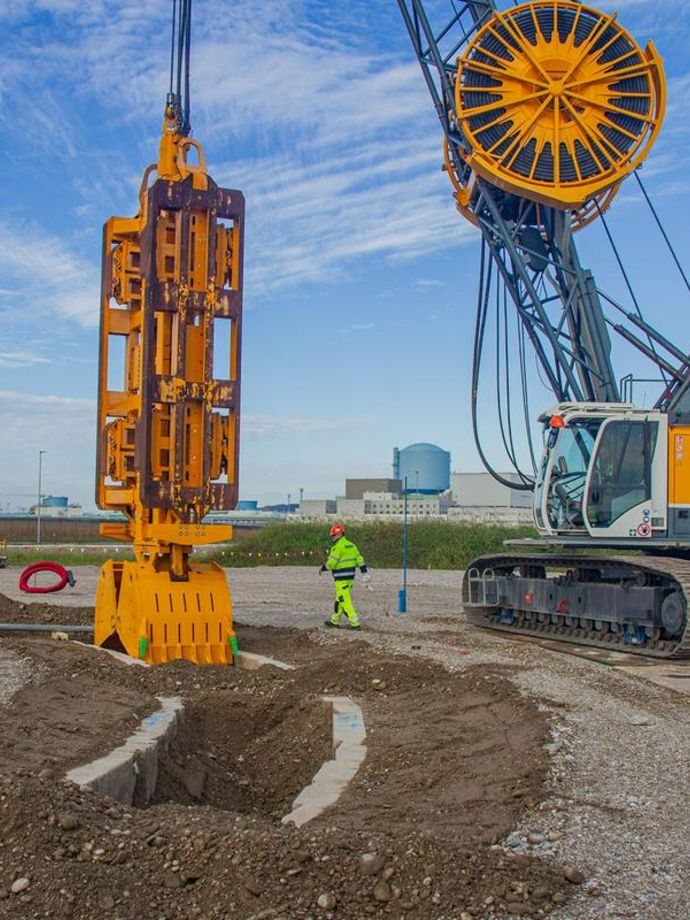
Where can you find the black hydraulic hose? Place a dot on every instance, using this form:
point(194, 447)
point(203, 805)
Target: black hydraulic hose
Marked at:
point(525, 396)
point(513, 452)
point(499, 388)
point(172, 45)
point(187, 56)
point(480, 328)
point(180, 55)
point(180, 42)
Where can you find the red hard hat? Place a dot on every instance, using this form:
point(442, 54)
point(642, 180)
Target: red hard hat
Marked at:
point(337, 530)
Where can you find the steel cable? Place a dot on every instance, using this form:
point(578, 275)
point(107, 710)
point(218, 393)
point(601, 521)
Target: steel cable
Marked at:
point(662, 229)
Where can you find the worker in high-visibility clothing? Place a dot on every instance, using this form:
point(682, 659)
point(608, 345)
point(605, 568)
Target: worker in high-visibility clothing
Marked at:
point(343, 561)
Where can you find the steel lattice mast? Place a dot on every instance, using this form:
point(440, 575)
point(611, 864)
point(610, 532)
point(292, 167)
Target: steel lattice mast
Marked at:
point(530, 168)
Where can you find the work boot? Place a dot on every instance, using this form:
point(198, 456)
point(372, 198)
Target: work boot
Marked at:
point(333, 625)
point(354, 625)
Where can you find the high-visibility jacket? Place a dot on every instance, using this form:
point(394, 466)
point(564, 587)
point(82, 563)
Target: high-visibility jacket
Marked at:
point(343, 559)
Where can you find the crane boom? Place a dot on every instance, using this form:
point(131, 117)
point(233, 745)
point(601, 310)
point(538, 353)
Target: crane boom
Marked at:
point(532, 244)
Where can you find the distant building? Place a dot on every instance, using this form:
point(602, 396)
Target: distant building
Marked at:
point(425, 466)
point(479, 498)
point(418, 505)
point(391, 504)
point(317, 507)
point(57, 506)
point(482, 490)
point(355, 488)
point(350, 507)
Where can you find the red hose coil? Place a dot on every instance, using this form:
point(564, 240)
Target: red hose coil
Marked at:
point(54, 567)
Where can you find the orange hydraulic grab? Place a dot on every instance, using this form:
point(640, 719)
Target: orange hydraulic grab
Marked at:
point(168, 423)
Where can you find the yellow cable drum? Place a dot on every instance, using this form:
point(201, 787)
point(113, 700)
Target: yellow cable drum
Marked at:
point(558, 102)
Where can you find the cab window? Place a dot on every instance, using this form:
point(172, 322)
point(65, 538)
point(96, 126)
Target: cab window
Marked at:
point(621, 477)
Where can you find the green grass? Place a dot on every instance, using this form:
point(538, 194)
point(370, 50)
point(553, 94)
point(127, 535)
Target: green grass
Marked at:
point(64, 557)
point(432, 544)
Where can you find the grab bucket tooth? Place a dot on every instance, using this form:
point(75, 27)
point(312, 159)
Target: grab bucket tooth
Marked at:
point(151, 616)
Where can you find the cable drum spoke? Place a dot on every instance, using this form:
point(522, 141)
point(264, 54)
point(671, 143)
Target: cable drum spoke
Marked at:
point(585, 102)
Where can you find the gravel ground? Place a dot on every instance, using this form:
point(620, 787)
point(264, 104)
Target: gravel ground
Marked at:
point(15, 671)
point(619, 777)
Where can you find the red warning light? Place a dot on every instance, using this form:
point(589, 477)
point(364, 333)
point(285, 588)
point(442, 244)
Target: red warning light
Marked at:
point(557, 421)
point(528, 598)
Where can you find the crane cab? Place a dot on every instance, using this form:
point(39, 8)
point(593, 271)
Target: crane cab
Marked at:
point(604, 473)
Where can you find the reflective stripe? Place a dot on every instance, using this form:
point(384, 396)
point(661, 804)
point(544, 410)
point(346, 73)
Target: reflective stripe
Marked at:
point(344, 574)
point(338, 560)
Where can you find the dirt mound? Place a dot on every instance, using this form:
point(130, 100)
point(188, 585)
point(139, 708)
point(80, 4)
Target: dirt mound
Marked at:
point(20, 612)
point(453, 761)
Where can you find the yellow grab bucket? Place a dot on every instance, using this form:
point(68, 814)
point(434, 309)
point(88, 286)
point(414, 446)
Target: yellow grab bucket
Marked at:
point(154, 617)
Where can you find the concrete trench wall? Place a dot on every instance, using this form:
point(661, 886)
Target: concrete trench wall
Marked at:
point(133, 767)
point(349, 752)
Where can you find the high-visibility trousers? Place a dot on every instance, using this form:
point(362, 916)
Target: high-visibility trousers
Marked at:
point(343, 603)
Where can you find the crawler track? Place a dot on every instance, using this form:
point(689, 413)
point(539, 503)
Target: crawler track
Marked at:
point(631, 604)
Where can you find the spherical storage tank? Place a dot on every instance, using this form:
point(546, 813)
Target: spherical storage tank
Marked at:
point(426, 466)
point(55, 501)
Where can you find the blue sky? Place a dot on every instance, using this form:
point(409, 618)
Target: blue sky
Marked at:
point(361, 276)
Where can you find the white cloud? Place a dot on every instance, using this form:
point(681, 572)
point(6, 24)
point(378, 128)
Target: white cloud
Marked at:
point(47, 420)
point(21, 359)
point(345, 149)
point(48, 275)
point(357, 327)
point(64, 427)
point(271, 425)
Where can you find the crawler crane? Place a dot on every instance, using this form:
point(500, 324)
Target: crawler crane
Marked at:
point(168, 427)
point(546, 108)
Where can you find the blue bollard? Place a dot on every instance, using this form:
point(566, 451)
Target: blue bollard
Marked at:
point(402, 601)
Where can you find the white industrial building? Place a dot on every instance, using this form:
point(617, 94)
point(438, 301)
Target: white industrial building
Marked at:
point(479, 498)
point(391, 504)
point(473, 497)
point(314, 508)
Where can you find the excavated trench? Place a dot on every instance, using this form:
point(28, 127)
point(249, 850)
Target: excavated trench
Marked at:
point(239, 752)
point(453, 761)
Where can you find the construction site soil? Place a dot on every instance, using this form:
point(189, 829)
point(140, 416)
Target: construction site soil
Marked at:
point(454, 762)
point(23, 612)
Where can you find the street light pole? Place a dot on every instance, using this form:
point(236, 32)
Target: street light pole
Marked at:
point(38, 510)
point(402, 595)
